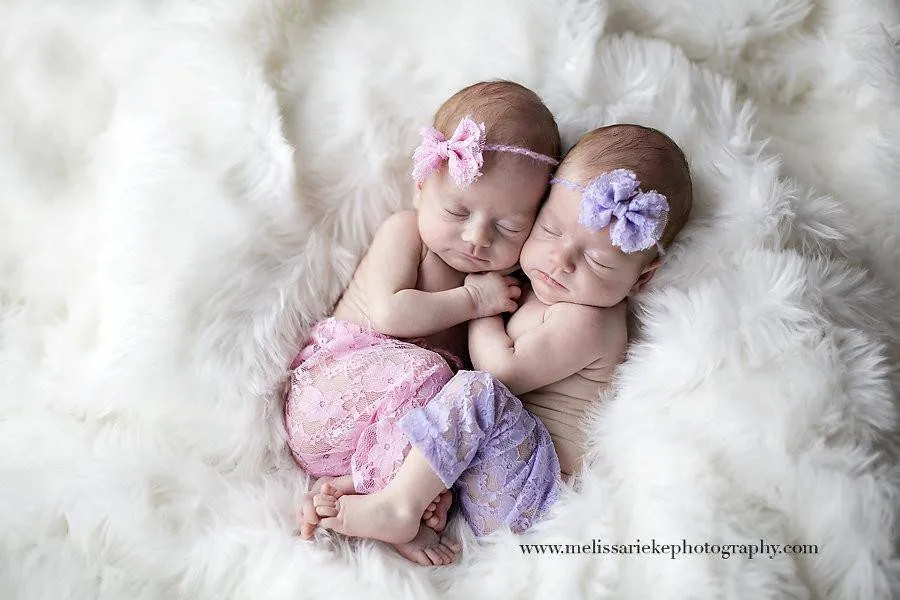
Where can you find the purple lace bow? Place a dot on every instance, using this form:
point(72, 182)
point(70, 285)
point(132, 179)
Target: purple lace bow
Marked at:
point(640, 216)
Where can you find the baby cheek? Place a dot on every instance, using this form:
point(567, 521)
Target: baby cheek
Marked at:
point(507, 253)
point(438, 229)
point(526, 253)
point(601, 286)
point(518, 242)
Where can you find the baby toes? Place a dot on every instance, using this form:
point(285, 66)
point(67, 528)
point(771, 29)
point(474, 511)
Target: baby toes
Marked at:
point(326, 505)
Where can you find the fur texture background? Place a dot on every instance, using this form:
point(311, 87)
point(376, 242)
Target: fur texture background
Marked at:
point(186, 186)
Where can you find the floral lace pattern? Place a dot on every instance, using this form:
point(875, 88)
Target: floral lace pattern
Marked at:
point(477, 435)
point(349, 388)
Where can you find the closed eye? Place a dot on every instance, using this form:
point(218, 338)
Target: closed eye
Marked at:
point(596, 262)
point(550, 231)
point(509, 228)
point(455, 213)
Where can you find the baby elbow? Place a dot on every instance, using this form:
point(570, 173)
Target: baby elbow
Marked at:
point(383, 320)
point(503, 373)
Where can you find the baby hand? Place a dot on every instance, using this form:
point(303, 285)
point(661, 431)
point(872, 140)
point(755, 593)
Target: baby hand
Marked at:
point(493, 293)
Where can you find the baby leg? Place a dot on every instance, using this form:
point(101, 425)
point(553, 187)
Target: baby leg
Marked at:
point(499, 457)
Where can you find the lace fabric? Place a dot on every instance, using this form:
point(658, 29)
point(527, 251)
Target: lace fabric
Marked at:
point(349, 388)
point(477, 435)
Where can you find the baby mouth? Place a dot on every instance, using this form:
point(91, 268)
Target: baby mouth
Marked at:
point(473, 258)
point(548, 279)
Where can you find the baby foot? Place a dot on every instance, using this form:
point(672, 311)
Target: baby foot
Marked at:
point(429, 548)
point(435, 515)
point(370, 516)
point(307, 518)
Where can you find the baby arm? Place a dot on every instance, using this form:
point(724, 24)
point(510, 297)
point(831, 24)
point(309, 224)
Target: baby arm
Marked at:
point(398, 309)
point(570, 338)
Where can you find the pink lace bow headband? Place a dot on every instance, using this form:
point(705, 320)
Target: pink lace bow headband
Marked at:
point(640, 216)
point(462, 153)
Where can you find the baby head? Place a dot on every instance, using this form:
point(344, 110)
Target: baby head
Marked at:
point(619, 198)
point(481, 173)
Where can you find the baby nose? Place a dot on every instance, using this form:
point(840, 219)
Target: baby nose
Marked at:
point(477, 235)
point(562, 259)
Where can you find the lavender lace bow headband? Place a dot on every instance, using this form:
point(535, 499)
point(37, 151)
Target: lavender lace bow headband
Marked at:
point(463, 153)
point(640, 216)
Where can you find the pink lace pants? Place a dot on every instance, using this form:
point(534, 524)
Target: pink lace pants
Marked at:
point(349, 388)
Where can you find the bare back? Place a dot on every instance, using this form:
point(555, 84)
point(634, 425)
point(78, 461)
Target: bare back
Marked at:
point(561, 405)
point(432, 275)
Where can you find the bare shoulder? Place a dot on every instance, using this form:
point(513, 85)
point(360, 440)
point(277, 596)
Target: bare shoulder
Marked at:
point(602, 330)
point(403, 223)
point(398, 234)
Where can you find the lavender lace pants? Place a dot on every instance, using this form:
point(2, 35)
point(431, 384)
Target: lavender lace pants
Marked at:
point(479, 438)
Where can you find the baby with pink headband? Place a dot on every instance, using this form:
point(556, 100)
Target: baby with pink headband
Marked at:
point(619, 198)
point(396, 334)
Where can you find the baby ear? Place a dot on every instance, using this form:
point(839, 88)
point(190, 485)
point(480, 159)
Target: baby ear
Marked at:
point(417, 195)
point(646, 275)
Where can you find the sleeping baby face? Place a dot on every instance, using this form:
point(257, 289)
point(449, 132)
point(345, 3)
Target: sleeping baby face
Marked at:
point(566, 262)
point(483, 227)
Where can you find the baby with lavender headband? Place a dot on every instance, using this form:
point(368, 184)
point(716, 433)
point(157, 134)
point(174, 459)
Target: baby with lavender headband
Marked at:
point(619, 198)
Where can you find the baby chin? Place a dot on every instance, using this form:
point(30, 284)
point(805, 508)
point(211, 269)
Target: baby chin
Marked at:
point(545, 291)
point(467, 263)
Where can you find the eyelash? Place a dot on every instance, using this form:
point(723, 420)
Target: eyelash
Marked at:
point(502, 228)
point(546, 229)
point(595, 262)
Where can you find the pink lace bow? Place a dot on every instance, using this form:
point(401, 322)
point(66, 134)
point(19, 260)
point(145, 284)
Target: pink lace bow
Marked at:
point(463, 153)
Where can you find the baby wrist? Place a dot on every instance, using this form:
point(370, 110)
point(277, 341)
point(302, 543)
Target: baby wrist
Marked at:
point(475, 302)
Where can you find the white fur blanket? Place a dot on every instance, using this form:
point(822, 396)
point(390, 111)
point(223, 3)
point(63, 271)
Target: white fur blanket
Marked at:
point(185, 186)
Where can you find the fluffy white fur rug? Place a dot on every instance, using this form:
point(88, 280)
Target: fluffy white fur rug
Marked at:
point(186, 186)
